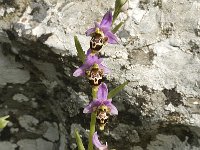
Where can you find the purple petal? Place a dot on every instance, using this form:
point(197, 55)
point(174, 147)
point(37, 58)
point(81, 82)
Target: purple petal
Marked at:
point(90, 31)
point(112, 39)
point(97, 143)
point(102, 92)
point(97, 25)
point(113, 109)
point(105, 69)
point(80, 71)
point(105, 29)
point(106, 102)
point(91, 59)
point(88, 52)
point(107, 20)
point(90, 108)
point(99, 61)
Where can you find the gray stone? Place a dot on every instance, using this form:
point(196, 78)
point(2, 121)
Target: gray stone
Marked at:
point(170, 108)
point(10, 10)
point(136, 148)
point(7, 146)
point(125, 132)
point(2, 12)
point(10, 72)
point(38, 144)
point(52, 132)
point(39, 11)
point(74, 108)
point(20, 98)
point(28, 122)
point(34, 104)
point(14, 130)
point(44, 145)
point(63, 143)
point(25, 144)
point(49, 69)
point(165, 142)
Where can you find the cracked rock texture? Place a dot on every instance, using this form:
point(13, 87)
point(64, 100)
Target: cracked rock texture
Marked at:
point(158, 52)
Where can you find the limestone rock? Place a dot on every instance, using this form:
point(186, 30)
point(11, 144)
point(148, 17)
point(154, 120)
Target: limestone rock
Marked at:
point(10, 70)
point(38, 144)
point(28, 122)
point(20, 98)
point(7, 146)
point(169, 142)
point(125, 132)
point(52, 132)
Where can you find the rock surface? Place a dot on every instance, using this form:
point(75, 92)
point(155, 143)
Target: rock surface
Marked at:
point(158, 52)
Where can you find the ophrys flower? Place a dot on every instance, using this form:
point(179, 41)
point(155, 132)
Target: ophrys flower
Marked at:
point(102, 33)
point(93, 69)
point(102, 106)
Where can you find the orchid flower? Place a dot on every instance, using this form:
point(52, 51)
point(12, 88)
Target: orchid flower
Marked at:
point(97, 143)
point(90, 61)
point(101, 101)
point(104, 28)
point(102, 106)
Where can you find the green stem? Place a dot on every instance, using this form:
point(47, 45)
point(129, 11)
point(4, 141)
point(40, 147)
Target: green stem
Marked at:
point(92, 130)
point(79, 141)
point(94, 92)
point(93, 119)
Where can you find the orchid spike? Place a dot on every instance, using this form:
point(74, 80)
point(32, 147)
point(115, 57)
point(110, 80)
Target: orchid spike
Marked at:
point(97, 143)
point(104, 28)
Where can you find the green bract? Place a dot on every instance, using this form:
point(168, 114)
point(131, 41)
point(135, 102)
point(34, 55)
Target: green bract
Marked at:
point(81, 53)
point(116, 90)
point(79, 141)
point(117, 27)
point(3, 122)
point(118, 6)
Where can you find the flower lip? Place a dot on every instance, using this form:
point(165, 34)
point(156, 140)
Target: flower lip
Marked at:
point(97, 143)
point(95, 75)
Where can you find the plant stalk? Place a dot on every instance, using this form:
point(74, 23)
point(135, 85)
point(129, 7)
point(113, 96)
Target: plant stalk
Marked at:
point(93, 119)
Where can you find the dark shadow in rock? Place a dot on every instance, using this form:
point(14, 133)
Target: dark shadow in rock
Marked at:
point(173, 97)
point(5, 134)
point(182, 132)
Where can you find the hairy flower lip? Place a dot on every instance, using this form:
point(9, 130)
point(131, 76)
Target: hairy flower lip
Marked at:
point(97, 143)
point(101, 100)
point(105, 27)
